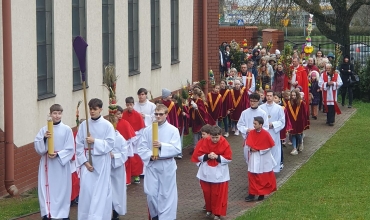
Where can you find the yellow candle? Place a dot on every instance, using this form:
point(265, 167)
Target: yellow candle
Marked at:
point(51, 138)
point(155, 138)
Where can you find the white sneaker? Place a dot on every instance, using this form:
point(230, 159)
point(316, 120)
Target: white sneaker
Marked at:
point(208, 214)
point(281, 167)
point(236, 133)
point(294, 152)
point(300, 147)
point(226, 134)
point(216, 218)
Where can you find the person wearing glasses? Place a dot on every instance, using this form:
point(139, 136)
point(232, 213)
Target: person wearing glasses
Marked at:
point(160, 171)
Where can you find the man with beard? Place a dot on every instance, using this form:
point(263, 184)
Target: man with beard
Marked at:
point(311, 66)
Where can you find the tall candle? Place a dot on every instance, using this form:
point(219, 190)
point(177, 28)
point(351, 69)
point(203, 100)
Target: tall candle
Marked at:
point(51, 138)
point(155, 137)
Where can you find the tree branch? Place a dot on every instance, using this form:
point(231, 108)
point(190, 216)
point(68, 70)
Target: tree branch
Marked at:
point(355, 6)
point(326, 30)
point(315, 10)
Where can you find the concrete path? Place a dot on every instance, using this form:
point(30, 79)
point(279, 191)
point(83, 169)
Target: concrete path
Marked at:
point(190, 194)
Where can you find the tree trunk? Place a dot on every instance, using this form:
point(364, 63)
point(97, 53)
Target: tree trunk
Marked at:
point(343, 35)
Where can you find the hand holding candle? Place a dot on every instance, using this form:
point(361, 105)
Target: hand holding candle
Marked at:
point(155, 138)
point(51, 138)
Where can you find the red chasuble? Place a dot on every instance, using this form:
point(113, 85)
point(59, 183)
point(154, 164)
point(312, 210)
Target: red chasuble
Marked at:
point(172, 112)
point(298, 117)
point(302, 79)
point(226, 102)
point(240, 102)
point(215, 105)
point(183, 120)
point(125, 129)
point(206, 146)
point(325, 93)
point(75, 179)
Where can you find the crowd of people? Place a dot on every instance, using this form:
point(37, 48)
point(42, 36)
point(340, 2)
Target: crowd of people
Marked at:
point(268, 107)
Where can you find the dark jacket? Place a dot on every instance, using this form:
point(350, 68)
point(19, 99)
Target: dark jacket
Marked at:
point(345, 74)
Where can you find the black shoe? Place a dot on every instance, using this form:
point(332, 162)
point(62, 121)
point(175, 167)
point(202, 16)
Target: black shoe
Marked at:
point(155, 218)
point(260, 198)
point(349, 106)
point(66, 218)
point(249, 198)
point(115, 215)
point(314, 117)
point(331, 124)
point(45, 217)
point(342, 103)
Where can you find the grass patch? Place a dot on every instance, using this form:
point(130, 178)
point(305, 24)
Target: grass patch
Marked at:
point(20, 205)
point(333, 184)
point(188, 139)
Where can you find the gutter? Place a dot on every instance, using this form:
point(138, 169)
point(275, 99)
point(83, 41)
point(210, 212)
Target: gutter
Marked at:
point(205, 46)
point(8, 98)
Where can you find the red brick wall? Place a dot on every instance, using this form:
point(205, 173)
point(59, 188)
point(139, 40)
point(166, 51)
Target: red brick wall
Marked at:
point(276, 36)
point(197, 41)
point(238, 33)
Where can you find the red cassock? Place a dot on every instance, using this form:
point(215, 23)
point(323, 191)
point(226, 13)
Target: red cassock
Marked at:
point(126, 130)
point(288, 125)
point(298, 117)
point(261, 183)
point(240, 102)
point(183, 119)
point(134, 165)
point(226, 102)
point(215, 105)
point(75, 179)
point(200, 116)
point(215, 194)
point(172, 112)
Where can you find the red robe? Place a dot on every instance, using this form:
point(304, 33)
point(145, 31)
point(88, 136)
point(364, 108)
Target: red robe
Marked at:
point(75, 179)
point(226, 102)
point(183, 120)
point(302, 79)
point(134, 165)
point(298, 117)
point(215, 105)
point(240, 102)
point(215, 194)
point(172, 112)
point(309, 69)
point(261, 183)
point(200, 116)
point(288, 125)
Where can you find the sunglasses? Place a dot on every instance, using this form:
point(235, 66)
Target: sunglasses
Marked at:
point(159, 114)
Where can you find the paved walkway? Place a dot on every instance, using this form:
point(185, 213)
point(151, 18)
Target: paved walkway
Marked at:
point(190, 195)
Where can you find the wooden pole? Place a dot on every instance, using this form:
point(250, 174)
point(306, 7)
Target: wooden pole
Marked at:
point(87, 121)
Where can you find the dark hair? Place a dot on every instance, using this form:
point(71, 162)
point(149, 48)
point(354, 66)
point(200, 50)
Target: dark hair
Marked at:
point(270, 90)
point(322, 54)
point(215, 130)
point(278, 94)
point(142, 90)
point(241, 64)
point(95, 102)
point(206, 128)
point(250, 61)
point(130, 99)
point(119, 108)
point(259, 119)
point(56, 107)
point(254, 96)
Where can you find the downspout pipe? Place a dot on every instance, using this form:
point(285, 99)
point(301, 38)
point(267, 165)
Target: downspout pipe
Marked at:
point(205, 46)
point(8, 98)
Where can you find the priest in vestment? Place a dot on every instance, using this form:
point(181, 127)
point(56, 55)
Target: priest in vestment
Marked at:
point(247, 77)
point(215, 103)
point(329, 83)
point(172, 108)
point(240, 102)
point(134, 165)
point(54, 176)
point(144, 106)
point(276, 120)
point(245, 124)
point(214, 154)
point(95, 200)
point(299, 120)
point(257, 153)
point(160, 172)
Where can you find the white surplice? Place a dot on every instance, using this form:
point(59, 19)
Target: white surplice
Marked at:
point(260, 161)
point(160, 175)
point(276, 116)
point(54, 177)
point(247, 117)
point(95, 200)
point(118, 174)
point(147, 108)
point(330, 97)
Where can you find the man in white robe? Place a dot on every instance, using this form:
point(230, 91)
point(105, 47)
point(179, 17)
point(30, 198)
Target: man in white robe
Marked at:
point(245, 123)
point(54, 176)
point(144, 106)
point(118, 176)
point(160, 172)
point(276, 120)
point(95, 200)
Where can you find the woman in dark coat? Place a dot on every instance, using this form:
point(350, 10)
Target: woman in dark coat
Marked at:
point(346, 71)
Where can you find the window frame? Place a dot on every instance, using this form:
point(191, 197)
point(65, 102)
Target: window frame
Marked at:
point(133, 38)
point(155, 20)
point(175, 32)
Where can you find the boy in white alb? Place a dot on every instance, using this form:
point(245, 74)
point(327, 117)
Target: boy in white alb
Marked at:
point(144, 106)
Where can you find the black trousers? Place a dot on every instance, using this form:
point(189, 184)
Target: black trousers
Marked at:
point(350, 94)
point(330, 115)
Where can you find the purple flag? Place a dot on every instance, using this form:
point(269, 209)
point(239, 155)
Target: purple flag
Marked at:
point(80, 45)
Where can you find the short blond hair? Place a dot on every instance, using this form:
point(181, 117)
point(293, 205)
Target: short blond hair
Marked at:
point(161, 107)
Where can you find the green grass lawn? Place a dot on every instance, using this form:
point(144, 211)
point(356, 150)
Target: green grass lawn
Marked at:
point(333, 184)
point(18, 206)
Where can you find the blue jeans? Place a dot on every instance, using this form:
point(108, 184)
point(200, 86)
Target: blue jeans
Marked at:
point(226, 124)
point(296, 140)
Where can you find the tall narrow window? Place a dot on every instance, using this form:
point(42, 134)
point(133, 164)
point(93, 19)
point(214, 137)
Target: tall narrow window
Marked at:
point(133, 37)
point(174, 31)
point(108, 32)
point(78, 29)
point(45, 73)
point(156, 29)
